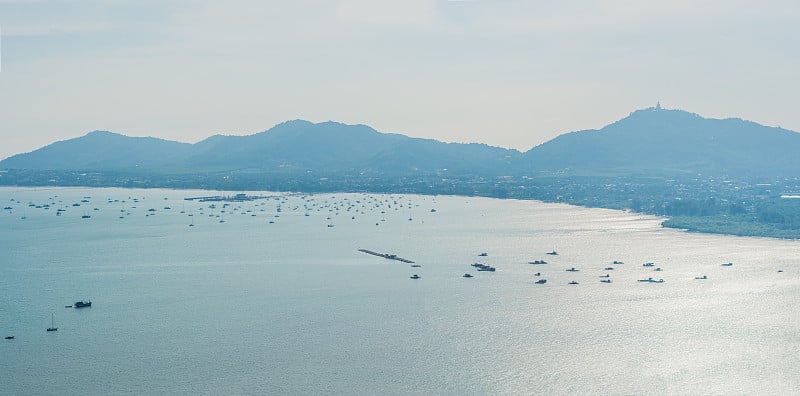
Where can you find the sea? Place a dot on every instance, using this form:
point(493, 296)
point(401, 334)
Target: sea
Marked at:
point(271, 295)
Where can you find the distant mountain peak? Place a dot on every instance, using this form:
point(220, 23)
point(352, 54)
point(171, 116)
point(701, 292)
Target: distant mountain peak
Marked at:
point(294, 123)
point(656, 138)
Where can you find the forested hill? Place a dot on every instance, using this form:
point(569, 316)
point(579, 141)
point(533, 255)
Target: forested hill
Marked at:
point(651, 141)
point(660, 141)
point(294, 146)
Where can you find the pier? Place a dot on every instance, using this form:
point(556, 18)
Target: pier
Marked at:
point(386, 256)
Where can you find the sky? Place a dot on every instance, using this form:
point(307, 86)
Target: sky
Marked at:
point(506, 73)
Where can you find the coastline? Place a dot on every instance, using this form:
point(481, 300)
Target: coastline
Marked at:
point(720, 224)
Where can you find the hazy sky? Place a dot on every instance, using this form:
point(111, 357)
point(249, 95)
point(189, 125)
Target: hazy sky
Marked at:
point(502, 72)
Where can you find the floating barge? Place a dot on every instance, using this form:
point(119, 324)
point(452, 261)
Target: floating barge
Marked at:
point(386, 256)
point(229, 198)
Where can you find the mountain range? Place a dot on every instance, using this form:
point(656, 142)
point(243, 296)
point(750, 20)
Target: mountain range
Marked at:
point(648, 140)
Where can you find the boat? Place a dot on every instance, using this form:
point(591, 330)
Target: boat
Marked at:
point(605, 276)
point(537, 274)
point(617, 262)
point(572, 283)
point(52, 323)
point(415, 276)
point(416, 265)
point(573, 269)
point(658, 269)
point(727, 265)
point(648, 265)
point(487, 268)
point(605, 280)
point(9, 337)
point(609, 268)
point(651, 280)
point(467, 276)
point(484, 254)
point(553, 253)
point(701, 277)
point(537, 262)
point(541, 281)
point(82, 304)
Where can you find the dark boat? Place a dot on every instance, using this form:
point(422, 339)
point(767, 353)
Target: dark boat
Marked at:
point(648, 265)
point(415, 276)
point(484, 254)
point(727, 265)
point(651, 280)
point(483, 267)
point(605, 280)
point(537, 262)
point(553, 253)
point(701, 277)
point(52, 323)
point(82, 304)
point(467, 276)
point(9, 337)
point(573, 269)
point(617, 262)
point(572, 283)
point(541, 281)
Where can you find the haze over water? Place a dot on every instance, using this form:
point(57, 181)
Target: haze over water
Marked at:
point(259, 301)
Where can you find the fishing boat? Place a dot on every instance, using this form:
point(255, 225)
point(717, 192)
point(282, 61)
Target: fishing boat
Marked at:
point(82, 304)
point(651, 280)
point(52, 323)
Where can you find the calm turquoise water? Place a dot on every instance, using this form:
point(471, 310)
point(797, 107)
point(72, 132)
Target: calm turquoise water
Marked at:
point(246, 306)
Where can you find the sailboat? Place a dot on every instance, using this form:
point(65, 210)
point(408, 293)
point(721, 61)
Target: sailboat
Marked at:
point(52, 323)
